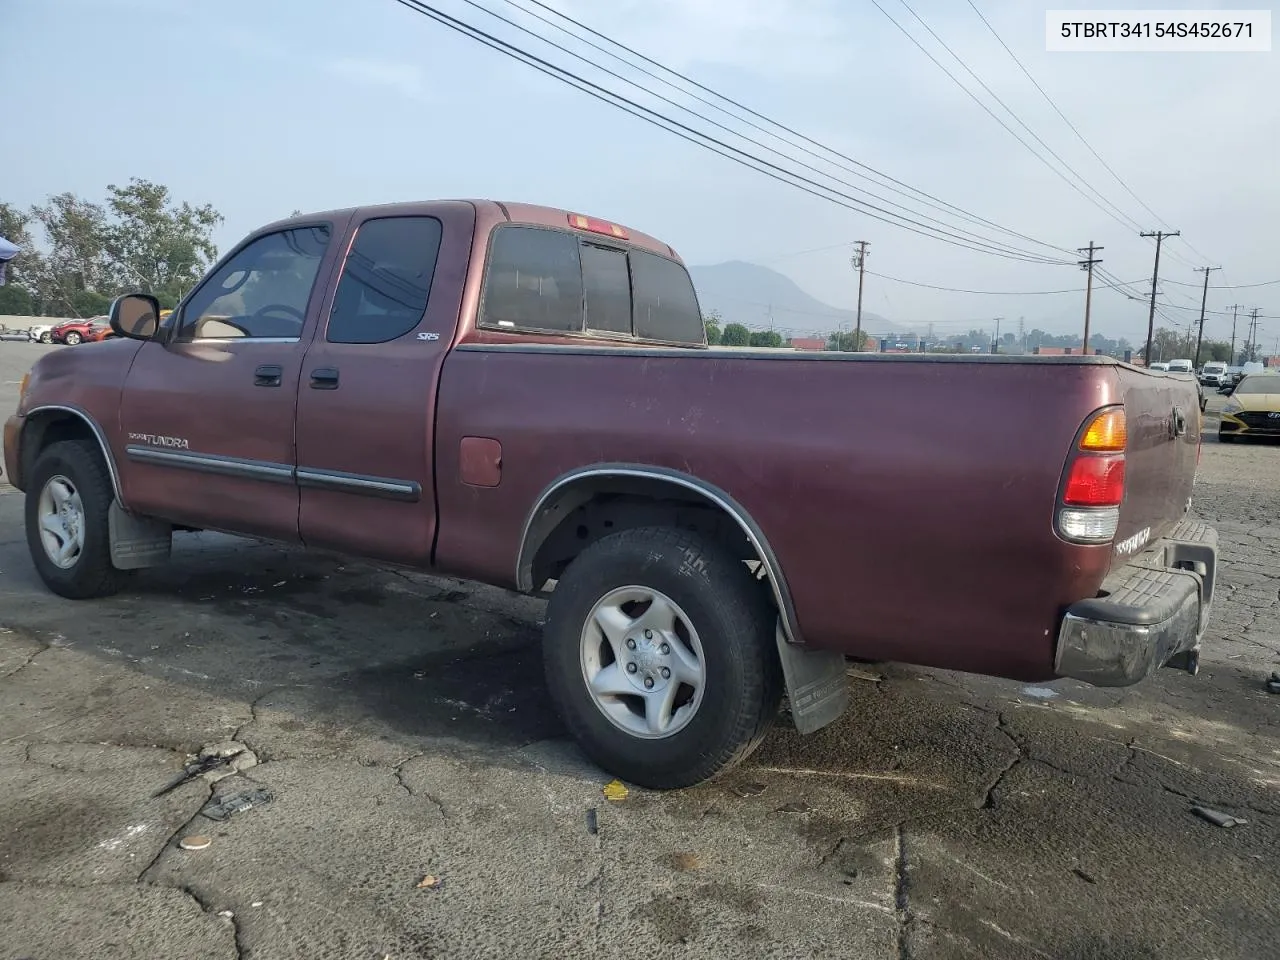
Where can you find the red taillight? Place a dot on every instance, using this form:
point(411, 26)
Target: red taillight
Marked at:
point(1095, 481)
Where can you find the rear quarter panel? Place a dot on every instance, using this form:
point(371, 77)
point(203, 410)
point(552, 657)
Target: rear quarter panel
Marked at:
point(910, 501)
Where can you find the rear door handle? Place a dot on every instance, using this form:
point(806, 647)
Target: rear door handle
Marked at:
point(268, 375)
point(324, 378)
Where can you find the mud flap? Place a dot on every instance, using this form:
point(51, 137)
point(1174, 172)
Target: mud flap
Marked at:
point(137, 541)
point(817, 687)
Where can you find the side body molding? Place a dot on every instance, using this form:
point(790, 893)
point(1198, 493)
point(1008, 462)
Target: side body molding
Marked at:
point(530, 538)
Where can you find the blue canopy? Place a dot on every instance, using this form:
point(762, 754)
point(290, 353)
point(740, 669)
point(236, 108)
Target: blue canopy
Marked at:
point(7, 250)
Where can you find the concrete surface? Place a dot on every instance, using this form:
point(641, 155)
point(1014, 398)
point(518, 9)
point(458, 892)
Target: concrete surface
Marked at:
point(401, 724)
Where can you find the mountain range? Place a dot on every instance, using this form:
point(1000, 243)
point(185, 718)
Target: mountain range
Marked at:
point(758, 297)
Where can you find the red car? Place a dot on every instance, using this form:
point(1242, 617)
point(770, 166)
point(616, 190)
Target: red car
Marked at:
point(72, 332)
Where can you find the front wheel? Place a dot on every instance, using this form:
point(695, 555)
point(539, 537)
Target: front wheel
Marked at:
point(73, 338)
point(67, 508)
point(660, 657)
point(46, 337)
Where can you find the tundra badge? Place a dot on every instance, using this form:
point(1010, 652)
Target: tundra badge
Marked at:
point(152, 440)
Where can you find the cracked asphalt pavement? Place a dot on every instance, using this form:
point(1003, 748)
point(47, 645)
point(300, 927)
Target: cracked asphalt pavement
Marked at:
point(401, 725)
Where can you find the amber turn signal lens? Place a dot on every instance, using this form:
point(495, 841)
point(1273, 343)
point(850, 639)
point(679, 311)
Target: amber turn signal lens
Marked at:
point(22, 386)
point(1107, 433)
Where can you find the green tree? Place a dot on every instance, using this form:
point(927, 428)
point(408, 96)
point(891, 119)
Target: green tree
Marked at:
point(764, 338)
point(712, 323)
point(157, 244)
point(846, 341)
point(735, 335)
point(75, 260)
point(15, 295)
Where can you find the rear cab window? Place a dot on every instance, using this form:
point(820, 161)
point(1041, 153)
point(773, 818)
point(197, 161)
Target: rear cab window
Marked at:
point(546, 280)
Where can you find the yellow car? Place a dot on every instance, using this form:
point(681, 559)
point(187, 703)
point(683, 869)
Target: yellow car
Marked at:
point(1253, 409)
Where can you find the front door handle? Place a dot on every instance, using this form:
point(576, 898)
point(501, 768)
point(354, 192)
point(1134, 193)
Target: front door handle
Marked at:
point(268, 375)
point(324, 378)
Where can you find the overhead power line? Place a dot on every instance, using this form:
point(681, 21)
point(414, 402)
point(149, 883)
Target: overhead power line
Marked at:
point(711, 143)
point(963, 233)
point(1227, 286)
point(1080, 136)
point(1101, 203)
point(998, 293)
point(842, 160)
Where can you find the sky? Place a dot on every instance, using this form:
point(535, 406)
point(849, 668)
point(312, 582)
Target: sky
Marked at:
point(263, 107)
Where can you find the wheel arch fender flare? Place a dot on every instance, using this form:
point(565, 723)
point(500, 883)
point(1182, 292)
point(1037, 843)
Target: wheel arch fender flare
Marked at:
point(575, 487)
point(46, 411)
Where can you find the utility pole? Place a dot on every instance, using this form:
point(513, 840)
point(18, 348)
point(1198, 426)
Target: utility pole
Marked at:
point(1253, 332)
point(859, 260)
point(1204, 298)
point(1087, 264)
point(1231, 360)
point(995, 341)
point(1160, 236)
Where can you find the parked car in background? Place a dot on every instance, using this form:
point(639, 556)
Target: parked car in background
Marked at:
point(99, 331)
point(40, 333)
point(1159, 366)
point(1253, 410)
point(72, 332)
point(1212, 373)
point(1181, 366)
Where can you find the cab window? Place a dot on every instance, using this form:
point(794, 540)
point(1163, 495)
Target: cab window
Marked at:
point(262, 292)
point(533, 281)
point(541, 279)
point(386, 281)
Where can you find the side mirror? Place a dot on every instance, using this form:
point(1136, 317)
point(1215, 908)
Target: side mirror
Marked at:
point(136, 316)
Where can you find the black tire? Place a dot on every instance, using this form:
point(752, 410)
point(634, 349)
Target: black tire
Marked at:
point(735, 623)
point(46, 337)
point(72, 339)
point(1226, 437)
point(92, 574)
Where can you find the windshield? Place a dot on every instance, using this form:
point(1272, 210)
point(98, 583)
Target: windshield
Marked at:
point(1268, 383)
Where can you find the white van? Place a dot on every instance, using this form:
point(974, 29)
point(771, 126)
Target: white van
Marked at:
point(1212, 373)
point(1181, 366)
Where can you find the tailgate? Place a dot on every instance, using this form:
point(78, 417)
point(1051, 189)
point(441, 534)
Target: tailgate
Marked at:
point(1160, 461)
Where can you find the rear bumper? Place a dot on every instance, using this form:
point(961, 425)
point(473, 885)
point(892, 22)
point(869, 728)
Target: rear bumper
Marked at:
point(1154, 610)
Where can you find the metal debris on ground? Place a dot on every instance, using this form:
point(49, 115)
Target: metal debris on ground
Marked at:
point(195, 842)
point(1040, 693)
point(593, 823)
point(1217, 817)
point(1082, 875)
point(615, 790)
point(1273, 682)
point(750, 789)
point(857, 673)
point(430, 882)
point(220, 808)
point(797, 807)
point(213, 763)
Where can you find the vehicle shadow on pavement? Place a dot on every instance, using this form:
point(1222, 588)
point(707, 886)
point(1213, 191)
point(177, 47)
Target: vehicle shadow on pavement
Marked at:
point(943, 815)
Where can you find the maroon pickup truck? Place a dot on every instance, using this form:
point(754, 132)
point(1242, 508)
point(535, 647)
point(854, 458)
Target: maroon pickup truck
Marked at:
point(525, 397)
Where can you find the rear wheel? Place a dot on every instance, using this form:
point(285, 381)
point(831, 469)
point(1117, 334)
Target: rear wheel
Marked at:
point(46, 337)
point(73, 338)
point(68, 501)
point(660, 657)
